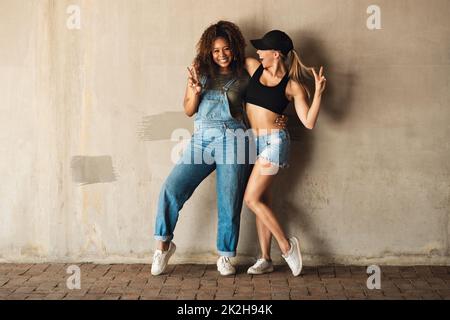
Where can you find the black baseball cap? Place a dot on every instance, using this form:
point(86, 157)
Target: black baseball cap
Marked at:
point(274, 40)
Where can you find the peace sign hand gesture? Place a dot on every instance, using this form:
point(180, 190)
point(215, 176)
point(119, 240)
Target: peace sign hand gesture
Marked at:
point(193, 81)
point(320, 81)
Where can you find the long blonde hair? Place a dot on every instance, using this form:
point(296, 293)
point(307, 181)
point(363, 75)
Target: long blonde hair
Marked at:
point(298, 72)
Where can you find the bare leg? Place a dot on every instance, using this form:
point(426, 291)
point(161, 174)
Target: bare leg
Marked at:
point(256, 187)
point(163, 246)
point(264, 234)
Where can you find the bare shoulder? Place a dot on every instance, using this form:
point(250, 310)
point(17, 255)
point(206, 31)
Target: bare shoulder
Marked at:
point(251, 64)
point(252, 61)
point(295, 89)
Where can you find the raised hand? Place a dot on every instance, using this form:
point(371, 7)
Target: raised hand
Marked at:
point(193, 81)
point(320, 81)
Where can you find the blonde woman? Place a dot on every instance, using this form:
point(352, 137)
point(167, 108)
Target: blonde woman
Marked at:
point(274, 83)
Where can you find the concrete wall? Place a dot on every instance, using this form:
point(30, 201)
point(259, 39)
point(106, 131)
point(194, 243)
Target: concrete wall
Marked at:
point(86, 119)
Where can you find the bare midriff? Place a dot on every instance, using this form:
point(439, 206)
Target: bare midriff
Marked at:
point(262, 120)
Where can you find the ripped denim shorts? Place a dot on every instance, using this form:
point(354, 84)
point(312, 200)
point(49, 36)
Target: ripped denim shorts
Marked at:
point(274, 147)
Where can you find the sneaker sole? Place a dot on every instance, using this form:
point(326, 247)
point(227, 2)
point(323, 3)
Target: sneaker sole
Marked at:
point(299, 257)
point(227, 274)
point(261, 272)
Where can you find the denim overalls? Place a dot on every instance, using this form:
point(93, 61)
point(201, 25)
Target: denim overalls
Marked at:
point(213, 146)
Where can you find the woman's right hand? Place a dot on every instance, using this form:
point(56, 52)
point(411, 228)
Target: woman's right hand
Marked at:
point(193, 81)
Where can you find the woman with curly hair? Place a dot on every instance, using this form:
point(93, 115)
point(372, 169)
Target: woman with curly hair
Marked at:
point(217, 81)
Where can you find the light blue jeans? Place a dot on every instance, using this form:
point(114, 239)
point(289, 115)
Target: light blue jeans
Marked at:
point(213, 146)
point(274, 147)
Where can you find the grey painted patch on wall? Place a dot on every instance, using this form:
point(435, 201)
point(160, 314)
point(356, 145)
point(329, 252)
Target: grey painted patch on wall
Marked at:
point(89, 169)
point(161, 126)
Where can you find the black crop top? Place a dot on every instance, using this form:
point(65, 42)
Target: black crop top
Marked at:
point(271, 98)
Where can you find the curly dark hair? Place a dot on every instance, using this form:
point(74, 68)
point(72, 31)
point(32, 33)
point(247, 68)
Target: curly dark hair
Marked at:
point(229, 31)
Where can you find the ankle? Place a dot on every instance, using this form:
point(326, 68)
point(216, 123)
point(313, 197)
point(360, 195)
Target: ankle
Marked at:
point(286, 249)
point(164, 246)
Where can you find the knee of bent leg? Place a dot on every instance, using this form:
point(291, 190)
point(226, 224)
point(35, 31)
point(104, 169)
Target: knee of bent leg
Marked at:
point(251, 201)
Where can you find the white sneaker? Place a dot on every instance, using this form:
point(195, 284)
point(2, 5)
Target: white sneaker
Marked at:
point(294, 257)
point(261, 266)
point(225, 267)
point(161, 258)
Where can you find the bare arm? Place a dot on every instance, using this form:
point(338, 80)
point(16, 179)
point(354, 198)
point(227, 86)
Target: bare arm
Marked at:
point(191, 101)
point(308, 115)
point(251, 64)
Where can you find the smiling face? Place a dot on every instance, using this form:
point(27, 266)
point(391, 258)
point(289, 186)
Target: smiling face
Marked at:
point(222, 54)
point(267, 57)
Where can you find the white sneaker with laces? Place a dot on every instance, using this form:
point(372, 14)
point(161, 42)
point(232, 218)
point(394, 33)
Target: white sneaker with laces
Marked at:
point(294, 257)
point(260, 267)
point(161, 259)
point(225, 267)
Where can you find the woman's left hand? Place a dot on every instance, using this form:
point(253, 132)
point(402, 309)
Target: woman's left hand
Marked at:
point(320, 81)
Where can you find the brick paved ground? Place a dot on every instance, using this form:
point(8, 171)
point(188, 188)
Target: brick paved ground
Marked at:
point(202, 282)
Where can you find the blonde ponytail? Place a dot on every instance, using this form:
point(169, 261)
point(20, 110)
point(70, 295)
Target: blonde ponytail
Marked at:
point(298, 71)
